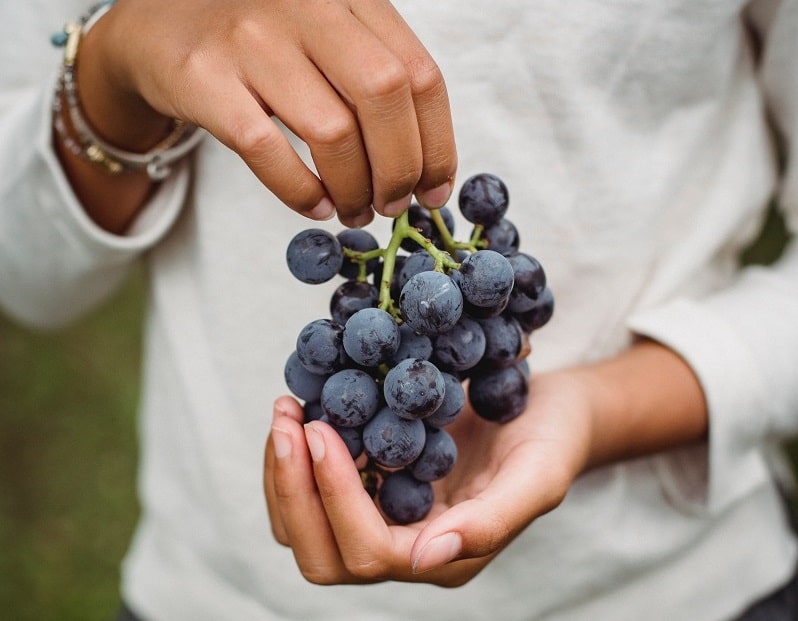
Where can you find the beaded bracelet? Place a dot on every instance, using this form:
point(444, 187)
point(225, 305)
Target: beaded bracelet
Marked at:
point(157, 162)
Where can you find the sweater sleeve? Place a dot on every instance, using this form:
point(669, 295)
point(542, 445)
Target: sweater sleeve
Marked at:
point(55, 263)
point(742, 341)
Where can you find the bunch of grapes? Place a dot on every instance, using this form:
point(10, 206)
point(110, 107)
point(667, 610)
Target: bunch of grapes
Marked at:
point(408, 326)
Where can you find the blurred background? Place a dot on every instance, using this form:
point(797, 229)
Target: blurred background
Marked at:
point(68, 455)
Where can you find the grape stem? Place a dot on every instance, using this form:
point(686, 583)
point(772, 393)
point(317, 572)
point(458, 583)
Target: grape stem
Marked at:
point(401, 231)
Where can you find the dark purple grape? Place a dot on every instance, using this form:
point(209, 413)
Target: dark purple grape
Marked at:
point(350, 297)
point(358, 240)
point(320, 347)
point(411, 345)
point(486, 278)
point(404, 499)
point(530, 281)
point(352, 437)
point(504, 341)
point(350, 397)
point(314, 256)
point(485, 312)
point(414, 388)
point(483, 199)
point(461, 347)
point(431, 303)
point(438, 457)
point(313, 411)
point(419, 261)
point(498, 395)
point(391, 441)
point(301, 382)
point(539, 315)
point(453, 403)
point(371, 337)
point(502, 237)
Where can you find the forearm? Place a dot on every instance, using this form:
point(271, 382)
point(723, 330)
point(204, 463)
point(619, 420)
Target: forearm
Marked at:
point(645, 400)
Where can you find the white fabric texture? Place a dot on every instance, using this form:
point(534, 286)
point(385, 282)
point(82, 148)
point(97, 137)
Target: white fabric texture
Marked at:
point(638, 140)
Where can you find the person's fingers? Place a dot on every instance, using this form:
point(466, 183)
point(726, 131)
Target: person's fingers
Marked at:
point(305, 102)
point(370, 549)
point(480, 527)
point(284, 408)
point(302, 514)
point(430, 97)
point(374, 82)
point(219, 102)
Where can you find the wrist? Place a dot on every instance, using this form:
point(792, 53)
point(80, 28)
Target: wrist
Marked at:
point(116, 112)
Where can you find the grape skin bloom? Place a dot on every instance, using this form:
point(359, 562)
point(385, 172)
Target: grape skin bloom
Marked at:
point(431, 303)
point(314, 256)
point(371, 337)
point(414, 388)
point(392, 441)
point(350, 397)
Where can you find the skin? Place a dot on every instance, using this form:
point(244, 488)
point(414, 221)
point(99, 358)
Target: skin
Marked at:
point(347, 76)
point(642, 401)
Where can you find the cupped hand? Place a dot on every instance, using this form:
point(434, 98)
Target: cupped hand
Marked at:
point(348, 77)
point(505, 477)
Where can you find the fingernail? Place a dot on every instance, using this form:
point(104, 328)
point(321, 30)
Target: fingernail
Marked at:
point(315, 442)
point(437, 552)
point(395, 208)
point(281, 442)
point(325, 210)
point(362, 219)
point(437, 197)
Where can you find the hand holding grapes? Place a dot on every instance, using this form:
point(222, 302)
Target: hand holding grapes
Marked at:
point(505, 477)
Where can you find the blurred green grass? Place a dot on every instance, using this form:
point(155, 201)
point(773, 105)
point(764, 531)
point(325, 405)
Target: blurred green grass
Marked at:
point(67, 461)
point(68, 455)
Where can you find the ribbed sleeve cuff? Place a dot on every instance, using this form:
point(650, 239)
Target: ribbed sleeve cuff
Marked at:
point(711, 477)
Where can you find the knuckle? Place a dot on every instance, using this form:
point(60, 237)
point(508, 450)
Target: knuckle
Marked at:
point(385, 83)
point(332, 130)
point(321, 575)
point(365, 566)
point(424, 75)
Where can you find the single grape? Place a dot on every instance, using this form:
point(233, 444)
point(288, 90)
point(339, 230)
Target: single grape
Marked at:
point(411, 345)
point(404, 499)
point(313, 411)
point(530, 281)
point(431, 303)
point(505, 341)
point(438, 457)
point(461, 347)
point(371, 337)
point(539, 315)
point(498, 395)
point(419, 261)
point(301, 382)
point(453, 403)
point(320, 347)
point(314, 256)
point(352, 437)
point(391, 441)
point(358, 240)
point(350, 397)
point(414, 388)
point(350, 297)
point(486, 278)
point(502, 237)
point(483, 199)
